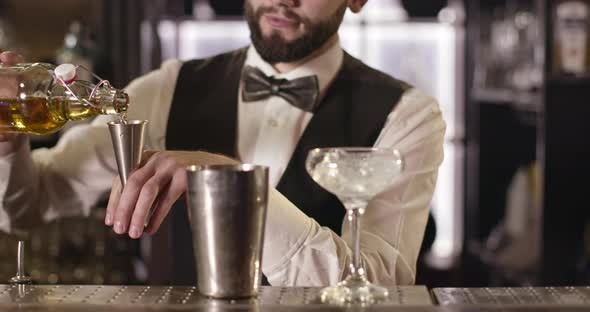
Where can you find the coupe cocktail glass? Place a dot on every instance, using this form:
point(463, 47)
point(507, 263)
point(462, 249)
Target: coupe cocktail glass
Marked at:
point(354, 175)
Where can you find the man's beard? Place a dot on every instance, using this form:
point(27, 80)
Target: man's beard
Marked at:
point(275, 49)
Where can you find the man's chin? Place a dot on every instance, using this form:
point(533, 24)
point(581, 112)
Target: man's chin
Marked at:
point(285, 37)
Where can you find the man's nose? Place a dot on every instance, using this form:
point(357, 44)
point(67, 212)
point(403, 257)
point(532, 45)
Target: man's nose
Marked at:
point(286, 3)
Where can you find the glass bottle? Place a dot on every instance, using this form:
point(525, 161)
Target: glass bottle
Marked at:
point(39, 98)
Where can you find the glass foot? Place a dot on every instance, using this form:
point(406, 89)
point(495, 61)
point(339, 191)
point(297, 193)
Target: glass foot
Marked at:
point(354, 291)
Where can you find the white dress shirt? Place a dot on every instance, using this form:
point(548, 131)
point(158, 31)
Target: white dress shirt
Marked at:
point(70, 178)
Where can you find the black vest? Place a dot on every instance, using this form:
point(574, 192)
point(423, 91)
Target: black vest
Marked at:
point(203, 116)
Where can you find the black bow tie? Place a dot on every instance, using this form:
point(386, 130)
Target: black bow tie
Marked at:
point(301, 92)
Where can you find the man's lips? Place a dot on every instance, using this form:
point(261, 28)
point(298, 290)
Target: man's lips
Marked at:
point(279, 21)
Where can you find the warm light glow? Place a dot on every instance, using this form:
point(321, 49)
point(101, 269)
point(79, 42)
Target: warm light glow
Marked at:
point(168, 32)
point(207, 38)
point(427, 55)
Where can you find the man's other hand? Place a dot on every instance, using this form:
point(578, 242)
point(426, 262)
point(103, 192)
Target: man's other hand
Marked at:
point(156, 184)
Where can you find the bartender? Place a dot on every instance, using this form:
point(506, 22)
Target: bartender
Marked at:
point(326, 98)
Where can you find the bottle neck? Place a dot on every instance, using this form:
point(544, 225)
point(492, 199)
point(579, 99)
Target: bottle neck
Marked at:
point(106, 101)
point(110, 101)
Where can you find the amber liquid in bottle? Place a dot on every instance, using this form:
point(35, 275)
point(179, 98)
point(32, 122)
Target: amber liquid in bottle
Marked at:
point(41, 115)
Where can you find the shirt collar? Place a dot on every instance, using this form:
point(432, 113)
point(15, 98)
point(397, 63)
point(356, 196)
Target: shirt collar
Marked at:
point(325, 66)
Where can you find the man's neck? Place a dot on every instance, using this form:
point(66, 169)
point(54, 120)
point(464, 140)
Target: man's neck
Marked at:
point(286, 67)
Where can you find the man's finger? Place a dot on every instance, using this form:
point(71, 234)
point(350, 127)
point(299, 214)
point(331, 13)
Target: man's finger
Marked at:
point(113, 201)
point(128, 203)
point(10, 58)
point(168, 197)
point(148, 155)
point(5, 136)
point(146, 200)
point(129, 196)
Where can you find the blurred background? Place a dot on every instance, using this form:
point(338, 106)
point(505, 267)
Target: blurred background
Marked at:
point(511, 76)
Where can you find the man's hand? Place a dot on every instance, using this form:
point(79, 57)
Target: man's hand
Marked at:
point(157, 184)
point(9, 142)
point(10, 58)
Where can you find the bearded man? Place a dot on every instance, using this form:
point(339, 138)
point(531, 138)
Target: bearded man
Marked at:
point(293, 89)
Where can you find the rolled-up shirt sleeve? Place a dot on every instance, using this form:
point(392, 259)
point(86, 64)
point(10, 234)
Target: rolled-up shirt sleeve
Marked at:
point(298, 251)
point(69, 179)
point(18, 186)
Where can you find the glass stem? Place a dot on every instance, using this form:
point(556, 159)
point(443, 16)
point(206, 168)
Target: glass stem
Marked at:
point(20, 270)
point(356, 268)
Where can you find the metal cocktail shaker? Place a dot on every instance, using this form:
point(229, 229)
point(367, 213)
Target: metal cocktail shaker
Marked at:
point(227, 211)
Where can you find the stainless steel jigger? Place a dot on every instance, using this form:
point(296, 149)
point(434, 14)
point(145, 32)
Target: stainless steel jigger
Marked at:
point(127, 140)
point(21, 277)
